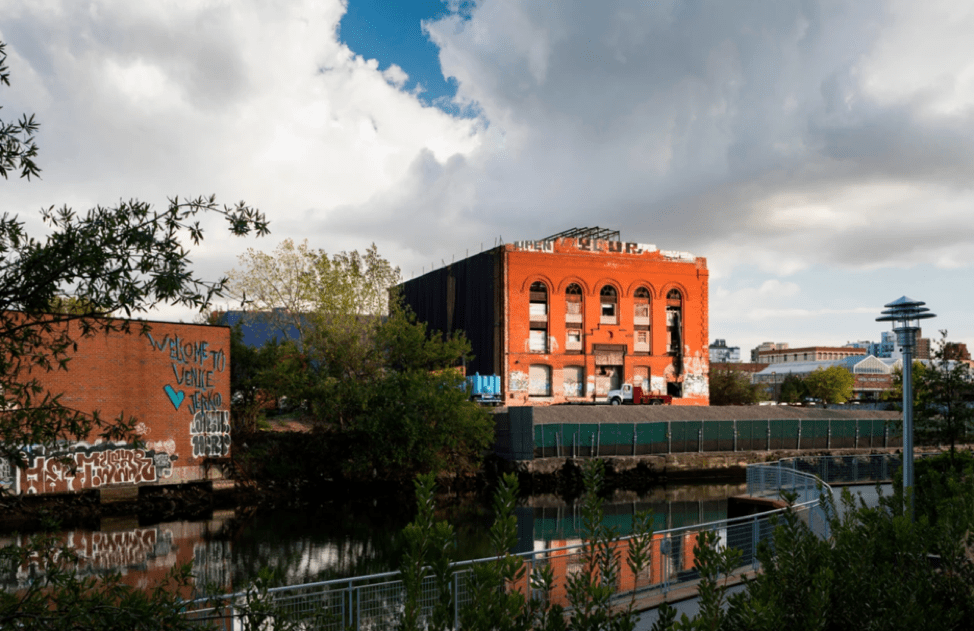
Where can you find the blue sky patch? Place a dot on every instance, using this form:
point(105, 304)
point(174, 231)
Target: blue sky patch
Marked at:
point(392, 33)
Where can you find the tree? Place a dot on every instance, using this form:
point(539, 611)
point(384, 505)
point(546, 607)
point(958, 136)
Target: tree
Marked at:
point(118, 260)
point(361, 367)
point(413, 414)
point(793, 389)
point(729, 386)
point(830, 385)
point(17, 146)
point(251, 381)
point(943, 390)
point(304, 289)
point(920, 391)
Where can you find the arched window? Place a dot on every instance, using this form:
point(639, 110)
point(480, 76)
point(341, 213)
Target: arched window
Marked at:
point(538, 309)
point(641, 321)
point(573, 304)
point(674, 322)
point(610, 305)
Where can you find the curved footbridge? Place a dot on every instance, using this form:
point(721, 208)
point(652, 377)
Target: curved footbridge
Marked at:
point(375, 602)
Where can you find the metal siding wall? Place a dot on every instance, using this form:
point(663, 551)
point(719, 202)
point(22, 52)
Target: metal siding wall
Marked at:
point(814, 434)
point(588, 437)
point(651, 438)
point(568, 439)
point(843, 434)
point(752, 435)
point(473, 304)
point(521, 431)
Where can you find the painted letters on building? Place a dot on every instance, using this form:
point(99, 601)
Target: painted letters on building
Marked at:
point(175, 380)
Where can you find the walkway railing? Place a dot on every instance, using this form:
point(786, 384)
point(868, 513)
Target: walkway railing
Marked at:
point(376, 602)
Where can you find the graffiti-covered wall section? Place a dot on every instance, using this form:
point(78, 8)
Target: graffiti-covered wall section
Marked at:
point(175, 381)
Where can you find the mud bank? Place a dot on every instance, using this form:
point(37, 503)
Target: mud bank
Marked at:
point(148, 505)
point(563, 476)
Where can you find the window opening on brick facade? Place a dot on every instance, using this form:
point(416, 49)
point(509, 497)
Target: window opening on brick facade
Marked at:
point(674, 322)
point(573, 340)
point(610, 303)
point(573, 381)
point(538, 317)
point(539, 384)
point(538, 305)
point(640, 378)
point(641, 342)
point(538, 341)
point(573, 306)
point(641, 320)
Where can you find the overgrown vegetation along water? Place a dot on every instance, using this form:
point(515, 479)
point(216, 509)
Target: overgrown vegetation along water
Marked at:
point(305, 541)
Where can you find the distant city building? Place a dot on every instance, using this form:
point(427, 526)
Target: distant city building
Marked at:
point(887, 347)
point(872, 375)
point(766, 346)
point(721, 353)
point(808, 354)
point(957, 351)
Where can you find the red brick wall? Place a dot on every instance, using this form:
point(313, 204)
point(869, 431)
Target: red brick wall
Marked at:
point(175, 381)
point(592, 265)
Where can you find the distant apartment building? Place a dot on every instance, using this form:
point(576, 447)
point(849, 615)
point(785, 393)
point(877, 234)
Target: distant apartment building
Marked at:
point(888, 348)
point(721, 353)
point(809, 354)
point(957, 351)
point(766, 346)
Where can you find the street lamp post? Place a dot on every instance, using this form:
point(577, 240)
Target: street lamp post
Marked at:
point(774, 386)
point(905, 314)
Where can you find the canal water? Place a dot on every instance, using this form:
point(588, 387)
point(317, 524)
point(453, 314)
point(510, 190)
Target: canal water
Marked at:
point(307, 544)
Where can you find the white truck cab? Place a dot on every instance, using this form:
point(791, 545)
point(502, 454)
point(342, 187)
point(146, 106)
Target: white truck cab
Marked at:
point(624, 395)
point(620, 396)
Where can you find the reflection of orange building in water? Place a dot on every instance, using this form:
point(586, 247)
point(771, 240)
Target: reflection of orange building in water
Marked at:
point(670, 556)
point(570, 317)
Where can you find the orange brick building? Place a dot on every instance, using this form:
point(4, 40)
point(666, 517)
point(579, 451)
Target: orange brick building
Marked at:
point(570, 317)
point(175, 381)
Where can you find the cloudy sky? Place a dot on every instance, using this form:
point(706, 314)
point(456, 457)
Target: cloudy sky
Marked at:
point(819, 154)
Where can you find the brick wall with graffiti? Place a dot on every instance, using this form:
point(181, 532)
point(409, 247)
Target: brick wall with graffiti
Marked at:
point(175, 381)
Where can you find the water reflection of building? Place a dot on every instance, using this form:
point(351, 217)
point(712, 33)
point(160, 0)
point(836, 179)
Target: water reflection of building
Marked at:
point(143, 556)
point(545, 528)
point(552, 520)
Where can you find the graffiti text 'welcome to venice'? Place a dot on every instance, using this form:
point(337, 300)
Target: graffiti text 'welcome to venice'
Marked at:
point(194, 372)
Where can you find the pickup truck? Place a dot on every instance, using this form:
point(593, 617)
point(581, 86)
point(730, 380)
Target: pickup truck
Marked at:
point(628, 395)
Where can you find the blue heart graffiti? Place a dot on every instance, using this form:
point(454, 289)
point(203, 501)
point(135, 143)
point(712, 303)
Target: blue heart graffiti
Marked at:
point(176, 398)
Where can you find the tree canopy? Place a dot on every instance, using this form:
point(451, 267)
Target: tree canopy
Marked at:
point(830, 385)
point(119, 260)
point(943, 391)
point(362, 369)
point(89, 268)
point(729, 386)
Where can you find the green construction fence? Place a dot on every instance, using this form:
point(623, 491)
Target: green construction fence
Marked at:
point(518, 438)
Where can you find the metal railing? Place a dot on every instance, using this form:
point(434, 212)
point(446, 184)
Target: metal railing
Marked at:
point(376, 602)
